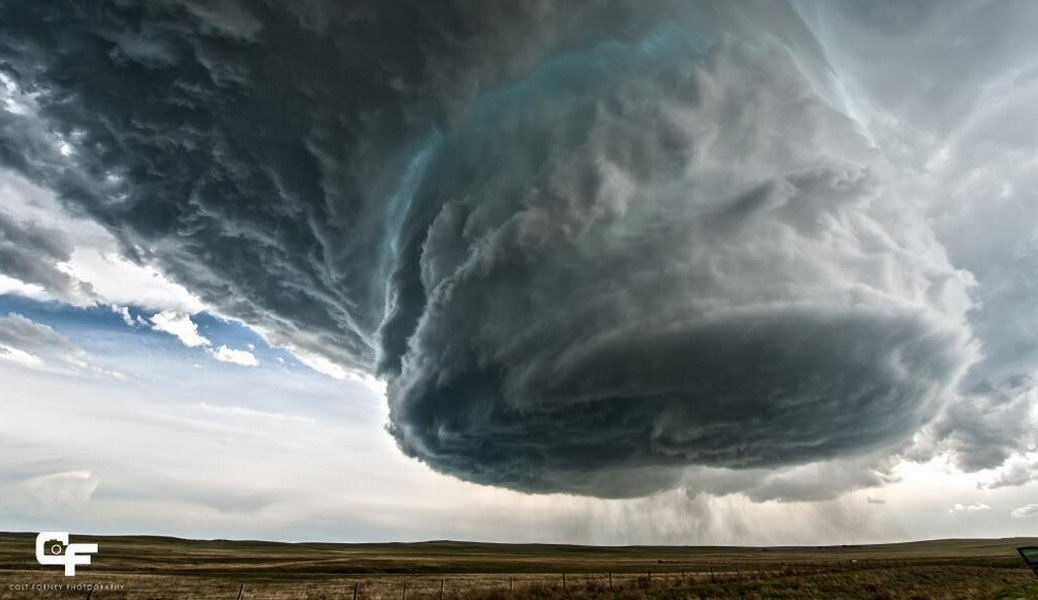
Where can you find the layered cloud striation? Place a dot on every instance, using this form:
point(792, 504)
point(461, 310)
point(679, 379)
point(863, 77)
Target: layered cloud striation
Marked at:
point(588, 245)
point(623, 269)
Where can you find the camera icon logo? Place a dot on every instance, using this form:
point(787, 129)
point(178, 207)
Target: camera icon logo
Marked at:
point(61, 552)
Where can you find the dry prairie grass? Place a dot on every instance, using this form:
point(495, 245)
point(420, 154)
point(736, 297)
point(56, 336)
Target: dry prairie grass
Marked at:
point(902, 583)
point(161, 568)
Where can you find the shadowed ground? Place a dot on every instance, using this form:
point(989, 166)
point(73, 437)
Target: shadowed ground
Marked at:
point(156, 567)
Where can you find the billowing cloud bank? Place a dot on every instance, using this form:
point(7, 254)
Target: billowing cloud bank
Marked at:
point(587, 244)
point(608, 285)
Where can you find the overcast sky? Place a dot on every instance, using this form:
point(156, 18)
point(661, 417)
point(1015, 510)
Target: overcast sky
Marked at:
point(596, 272)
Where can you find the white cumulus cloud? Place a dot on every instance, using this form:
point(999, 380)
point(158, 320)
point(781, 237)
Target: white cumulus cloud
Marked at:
point(238, 357)
point(179, 324)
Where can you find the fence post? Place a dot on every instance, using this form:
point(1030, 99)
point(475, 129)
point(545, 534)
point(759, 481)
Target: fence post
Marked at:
point(240, 590)
point(510, 588)
point(610, 579)
point(712, 579)
point(403, 592)
point(564, 582)
point(442, 583)
point(356, 584)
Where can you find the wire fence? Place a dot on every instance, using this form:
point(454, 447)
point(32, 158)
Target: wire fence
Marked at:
point(468, 586)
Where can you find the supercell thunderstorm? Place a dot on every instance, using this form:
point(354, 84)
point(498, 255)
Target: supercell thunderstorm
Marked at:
point(588, 245)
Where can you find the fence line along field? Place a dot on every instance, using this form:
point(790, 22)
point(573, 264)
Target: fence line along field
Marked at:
point(155, 567)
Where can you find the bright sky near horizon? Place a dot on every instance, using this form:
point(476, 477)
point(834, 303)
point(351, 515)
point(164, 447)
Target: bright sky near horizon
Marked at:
point(591, 272)
point(142, 434)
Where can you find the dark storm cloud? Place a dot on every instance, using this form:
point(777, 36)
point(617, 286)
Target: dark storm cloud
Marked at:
point(961, 132)
point(255, 144)
point(622, 281)
point(30, 252)
point(587, 244)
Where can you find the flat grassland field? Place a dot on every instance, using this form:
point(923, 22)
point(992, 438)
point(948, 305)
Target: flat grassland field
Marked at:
point(160, 568)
